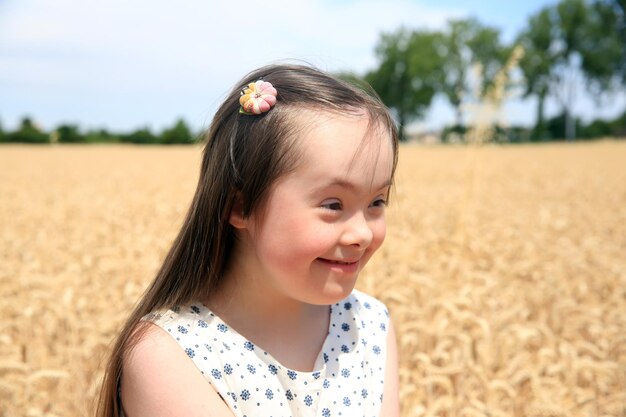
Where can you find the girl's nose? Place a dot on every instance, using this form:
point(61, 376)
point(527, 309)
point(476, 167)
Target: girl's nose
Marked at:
point(357, 231)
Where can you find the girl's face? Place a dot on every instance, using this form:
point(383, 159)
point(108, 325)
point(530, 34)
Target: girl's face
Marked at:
point(321, 222)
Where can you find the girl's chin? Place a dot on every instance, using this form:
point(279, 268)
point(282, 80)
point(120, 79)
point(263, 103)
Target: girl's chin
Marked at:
point(334, 292)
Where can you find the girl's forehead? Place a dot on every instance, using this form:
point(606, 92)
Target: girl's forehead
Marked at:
point(349, 146)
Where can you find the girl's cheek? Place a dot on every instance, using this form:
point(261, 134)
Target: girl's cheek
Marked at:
point(379, 234)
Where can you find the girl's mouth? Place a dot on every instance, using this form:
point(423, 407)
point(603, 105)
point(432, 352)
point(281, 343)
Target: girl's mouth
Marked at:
point(332, 261)
point(342, 266)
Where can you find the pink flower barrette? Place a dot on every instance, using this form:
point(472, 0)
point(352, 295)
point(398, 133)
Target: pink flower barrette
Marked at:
point(257, 97)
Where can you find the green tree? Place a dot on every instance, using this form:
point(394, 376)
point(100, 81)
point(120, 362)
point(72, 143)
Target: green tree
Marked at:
point(69, 134)
point(565, 42)
point(409, 73)
point(603, 47)
point(467, 42)
point(178, 134)
point(100, 136)
point(537, 63)
point(140, 137)
point(619, 8)
point(28, 133)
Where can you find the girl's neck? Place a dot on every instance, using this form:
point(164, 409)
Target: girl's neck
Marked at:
point(293, 332)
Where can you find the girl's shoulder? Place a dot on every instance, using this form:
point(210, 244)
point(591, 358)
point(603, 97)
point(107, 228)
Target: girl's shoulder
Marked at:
point(155, 365)
point(192, 322)
point(190, 313)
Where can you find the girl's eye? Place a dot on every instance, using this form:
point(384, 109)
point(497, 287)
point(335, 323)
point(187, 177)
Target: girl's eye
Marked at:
point(380, 202)
point(332, 204)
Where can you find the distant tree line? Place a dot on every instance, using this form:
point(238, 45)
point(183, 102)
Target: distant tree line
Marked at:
point(563, 44)
point(29, 132)
point(553, 129)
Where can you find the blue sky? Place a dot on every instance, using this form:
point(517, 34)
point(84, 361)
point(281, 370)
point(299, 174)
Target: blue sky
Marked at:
point(130, 64)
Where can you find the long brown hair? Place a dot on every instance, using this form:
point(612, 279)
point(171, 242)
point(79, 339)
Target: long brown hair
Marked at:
point(242, 158)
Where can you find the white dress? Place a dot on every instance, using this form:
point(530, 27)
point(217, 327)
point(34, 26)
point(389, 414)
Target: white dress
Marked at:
point(349, 371)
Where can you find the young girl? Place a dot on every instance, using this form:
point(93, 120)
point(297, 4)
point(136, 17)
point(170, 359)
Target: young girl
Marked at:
point(254, 311)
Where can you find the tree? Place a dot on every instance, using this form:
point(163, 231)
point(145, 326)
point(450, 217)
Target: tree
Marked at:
point(537, 63)
point(619, 8)
point(100, 136)
point(28, 132)
point(564, 42)
point(467, 42)
point(178, 134)
point(409, 73)
point(140, 136)
point(69, 134)
point(603, 48)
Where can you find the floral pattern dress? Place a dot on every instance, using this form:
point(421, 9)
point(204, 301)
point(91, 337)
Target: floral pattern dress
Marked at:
point(349, 371)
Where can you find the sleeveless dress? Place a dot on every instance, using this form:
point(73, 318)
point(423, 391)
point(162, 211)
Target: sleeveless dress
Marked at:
point(348, 375)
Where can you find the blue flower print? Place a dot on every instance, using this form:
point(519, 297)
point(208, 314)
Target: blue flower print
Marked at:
point(245, 395)
point(273, 370)
point(228, 369)
point(383, 327)
point(346, 401)
point(364, 393)
point(233, 396)
point(345, 327)
point(345, 349)
point(251, 369)
point(203, 324)
point(325, 358)
point(347, 306)
point(291, 374)
point(325, 412)
point(248, 345)
point(195, 309)
point(216, 374)
point(316, 375)
point(222, 328)
point(289, 395)
point(269, 394)
point(190, 352)
point(345, 372)
point(367, 305)
point(208, 347)
point(308, 400)
point(326, 383)
point(182, 330)
point(376, 349)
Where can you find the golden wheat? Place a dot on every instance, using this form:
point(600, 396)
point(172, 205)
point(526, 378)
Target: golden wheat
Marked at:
point(504, 270)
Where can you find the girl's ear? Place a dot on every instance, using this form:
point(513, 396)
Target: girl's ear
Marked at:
point(237, 219)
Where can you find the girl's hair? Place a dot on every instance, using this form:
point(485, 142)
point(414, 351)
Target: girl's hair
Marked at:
point(243, 156)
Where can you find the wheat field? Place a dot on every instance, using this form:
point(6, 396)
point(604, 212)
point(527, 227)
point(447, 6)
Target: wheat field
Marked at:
point(504, 270)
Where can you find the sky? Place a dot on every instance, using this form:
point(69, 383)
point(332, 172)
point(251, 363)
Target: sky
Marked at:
point(124, 65)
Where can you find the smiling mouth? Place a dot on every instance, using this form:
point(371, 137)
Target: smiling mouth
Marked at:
point(338, 262)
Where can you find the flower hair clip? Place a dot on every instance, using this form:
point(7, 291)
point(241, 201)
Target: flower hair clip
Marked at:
point(257, 97)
